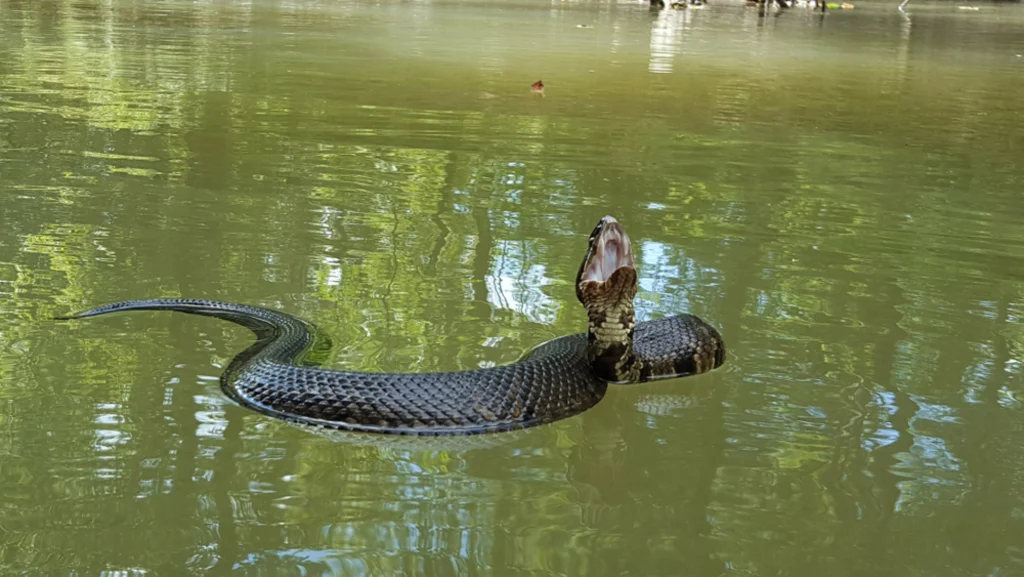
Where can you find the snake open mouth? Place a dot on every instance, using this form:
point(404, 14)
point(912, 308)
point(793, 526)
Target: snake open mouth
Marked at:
point(608, 251)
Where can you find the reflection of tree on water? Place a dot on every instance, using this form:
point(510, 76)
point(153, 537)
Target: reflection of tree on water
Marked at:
point(666, 38)
point(874, 391)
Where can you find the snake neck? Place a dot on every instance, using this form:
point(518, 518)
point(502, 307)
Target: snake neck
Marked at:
point(611, 321)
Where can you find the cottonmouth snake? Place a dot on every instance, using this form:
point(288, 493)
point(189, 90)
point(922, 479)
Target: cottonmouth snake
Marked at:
point(558, 379)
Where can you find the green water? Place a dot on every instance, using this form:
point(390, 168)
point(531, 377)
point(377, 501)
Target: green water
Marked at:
point(840, 195)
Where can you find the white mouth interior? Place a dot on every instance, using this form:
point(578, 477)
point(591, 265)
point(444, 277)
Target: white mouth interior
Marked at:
point(612, 251)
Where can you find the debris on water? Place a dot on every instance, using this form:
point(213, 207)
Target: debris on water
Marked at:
point(971, 8)
point(537, 87)
point(583, 26)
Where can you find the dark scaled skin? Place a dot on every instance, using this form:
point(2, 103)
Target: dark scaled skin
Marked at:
point(554, 381)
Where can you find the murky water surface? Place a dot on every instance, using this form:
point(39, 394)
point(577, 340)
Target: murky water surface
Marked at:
point(840, 194)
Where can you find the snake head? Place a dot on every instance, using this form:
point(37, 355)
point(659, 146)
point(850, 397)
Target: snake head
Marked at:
point(606, 285)
point(608, 264)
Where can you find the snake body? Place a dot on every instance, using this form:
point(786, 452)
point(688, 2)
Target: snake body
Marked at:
point(558, 379)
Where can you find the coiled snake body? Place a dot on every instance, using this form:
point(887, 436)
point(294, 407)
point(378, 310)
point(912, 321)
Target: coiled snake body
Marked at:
point(558, 379)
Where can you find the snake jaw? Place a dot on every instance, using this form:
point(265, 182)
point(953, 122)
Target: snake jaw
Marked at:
point(608, 250)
